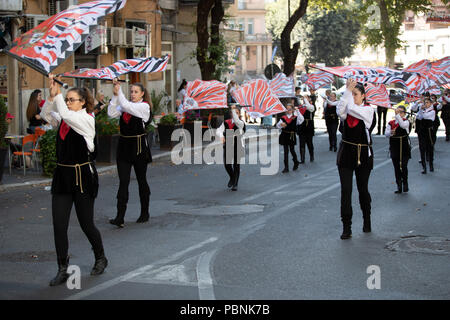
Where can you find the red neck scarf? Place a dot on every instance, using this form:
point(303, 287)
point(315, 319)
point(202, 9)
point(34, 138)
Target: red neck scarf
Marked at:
point(127, 116)
point(352, 121)
point(302, 110)
point(63, 130)
point(230, 123)
point(288, 120)
point(394, 125)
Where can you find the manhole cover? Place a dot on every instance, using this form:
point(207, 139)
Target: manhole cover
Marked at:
point(29, 256)
point(421, 244)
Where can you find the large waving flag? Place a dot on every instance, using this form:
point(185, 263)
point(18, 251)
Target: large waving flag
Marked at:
point(377, 75)
point(431, 75)
point(377, 94)
point(318, 79)
point(45, 47)
point(258, 99)
point(205, 95)
point(121, 67)
point(282, 86)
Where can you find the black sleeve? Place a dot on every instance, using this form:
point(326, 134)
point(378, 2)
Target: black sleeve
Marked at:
point(374, 122)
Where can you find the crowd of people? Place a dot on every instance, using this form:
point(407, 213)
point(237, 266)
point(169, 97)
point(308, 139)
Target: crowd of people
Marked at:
point(75, 180)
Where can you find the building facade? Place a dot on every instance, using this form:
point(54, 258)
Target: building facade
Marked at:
point(425, 36)
point(134, 31)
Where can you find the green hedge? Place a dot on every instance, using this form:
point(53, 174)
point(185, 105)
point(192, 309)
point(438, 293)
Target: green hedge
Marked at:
point(48, 152)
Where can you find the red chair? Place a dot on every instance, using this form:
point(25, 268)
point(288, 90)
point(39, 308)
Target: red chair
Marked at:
point(27, 139)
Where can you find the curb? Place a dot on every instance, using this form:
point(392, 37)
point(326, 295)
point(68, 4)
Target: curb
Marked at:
point(112, 168)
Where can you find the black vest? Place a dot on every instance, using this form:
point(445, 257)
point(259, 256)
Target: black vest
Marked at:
point(70, 151)
point(347, 156)
point(394, 144)
point(127, 148)
point(287, 136)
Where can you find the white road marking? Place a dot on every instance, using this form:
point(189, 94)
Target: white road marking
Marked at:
point(204, 278)
point(139, 271)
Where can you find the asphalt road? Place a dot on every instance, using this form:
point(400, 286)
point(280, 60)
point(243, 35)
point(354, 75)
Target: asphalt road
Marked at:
point(276, 238)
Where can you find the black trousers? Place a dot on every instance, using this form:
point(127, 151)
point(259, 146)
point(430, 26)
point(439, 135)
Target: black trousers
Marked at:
point(381, 111)
point(332, 126)
point(124, 171)
point(233, 169)
point(362, 183)
point(447, 125)
point(84, 207)
point(401, 174)
point(286, 149)
point(426, 145)
point(306, 139)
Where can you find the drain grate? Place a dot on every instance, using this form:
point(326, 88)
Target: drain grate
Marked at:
point(421, 244)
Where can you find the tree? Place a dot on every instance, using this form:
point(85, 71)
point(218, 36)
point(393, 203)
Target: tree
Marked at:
point(212, 50)
point(385, 18)
point(329, 36)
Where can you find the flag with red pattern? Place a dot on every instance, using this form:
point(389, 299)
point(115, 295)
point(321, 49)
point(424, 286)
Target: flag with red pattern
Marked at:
point(121, 67)
point(318, 79)
point(258, 99)
point(377, 94)
point(282, 86)
point(46, 46)
point(204, 95)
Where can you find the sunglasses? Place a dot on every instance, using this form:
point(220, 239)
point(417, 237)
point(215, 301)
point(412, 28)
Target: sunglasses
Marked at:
point(72, 100)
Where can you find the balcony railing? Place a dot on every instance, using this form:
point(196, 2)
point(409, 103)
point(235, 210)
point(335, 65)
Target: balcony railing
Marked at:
point(258, 37)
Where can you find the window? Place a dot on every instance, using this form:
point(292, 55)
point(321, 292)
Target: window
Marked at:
point(250, 26)
point(430, 49)
point(406, 49)
point(231, 24)
point(241, 4)
point(443, 48)
point(241, 24)
point(418, 49)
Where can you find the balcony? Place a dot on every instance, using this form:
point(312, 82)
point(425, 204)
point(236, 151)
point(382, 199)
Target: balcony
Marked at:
point(258, 37)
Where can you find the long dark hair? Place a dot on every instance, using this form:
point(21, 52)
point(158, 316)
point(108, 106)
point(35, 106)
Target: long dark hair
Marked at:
point(86, 95)
point(33, 105)
point(183, 83)
point(361, 88)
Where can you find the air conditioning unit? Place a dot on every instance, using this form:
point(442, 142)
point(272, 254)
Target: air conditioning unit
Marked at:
point(128, 37)
point(56, 6)
point(33, 21)
point(115, 36)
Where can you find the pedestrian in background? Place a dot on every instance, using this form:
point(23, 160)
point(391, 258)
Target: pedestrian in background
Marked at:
point(34, 109)
point(382, 113)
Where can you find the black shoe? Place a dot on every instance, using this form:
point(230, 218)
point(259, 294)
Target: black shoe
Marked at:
point(334, 149)
point(366, 225)
point(311, 158)
point(285, 170)
point(431, 167)
point(143, 218)
point(331, 148)
point(346, 234)
point(424, 171)
point(230, 183)
point(234, 188)
point(399, 188)
point(296, 164)
point(405, 187)
point(119, 224)
point(62, 275)
point(99, 266)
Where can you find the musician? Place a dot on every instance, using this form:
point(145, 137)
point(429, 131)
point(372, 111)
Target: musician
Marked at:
point(305, 130)
point(287, 139)
point(397, 131)
point(355, 153)
point(425, 116)
point(75, 180)
point(133, 149)
point(331, 119)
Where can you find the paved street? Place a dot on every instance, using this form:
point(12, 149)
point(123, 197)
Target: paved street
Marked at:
point(276, 238)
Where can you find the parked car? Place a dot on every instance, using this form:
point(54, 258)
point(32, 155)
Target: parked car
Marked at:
point(396, 95)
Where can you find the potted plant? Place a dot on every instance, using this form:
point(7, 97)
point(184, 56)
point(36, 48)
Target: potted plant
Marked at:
point(166, 126)
point(107, 130)
point(3, 131)
point(48, 152)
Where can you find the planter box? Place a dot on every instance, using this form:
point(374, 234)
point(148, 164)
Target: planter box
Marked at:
point(107, 148)
point(165, 134)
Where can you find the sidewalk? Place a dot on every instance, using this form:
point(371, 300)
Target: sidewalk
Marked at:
point(34, 178)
